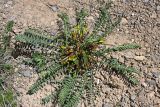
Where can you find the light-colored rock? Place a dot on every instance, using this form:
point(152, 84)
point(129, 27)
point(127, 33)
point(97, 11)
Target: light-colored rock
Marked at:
point(115, 56)
point(133, 97)
point(156, 74)
point(53, 23)
point(151, 94)
point(146, 1)
point(139, 58)
point(144, 84)
point(26, 73)
point(124, 21)
point(16, 30)
point(158, 7)
point(154, 15)
point(107, 105)
point(90, 18)
point(121, 59)
point(129, 54)
point(73, 21)
point(55, 8)
point(4, 16)
point(10, 2)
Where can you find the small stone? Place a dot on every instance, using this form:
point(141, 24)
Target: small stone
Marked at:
point(151, 94)
point(133, 14)
point(115, 56)
point(144, 84)
point(133, 97)
point(133, 104)
point(26, 73)
point(121, 59)
point(107, 105)
point(22, 66)
point(132, 40)
point(124, 21)
point(158, 7)
point(98, 81)
point(54, 8)
point(151, 82)
point(52, 23)
point(123, 104)
point(106, 90)
point(73, 21)
point(10, 2)
point(90, 18)
point(4, 16)
point(82, 105)
point(125, 1)
point(53, 33)
point(129, 55)
point(156, 74)
point(100, 33)
point(146, 1)
point(154, 15)
point(6, 5)
point(16, 69)
point(16, 30)
point(139, 58)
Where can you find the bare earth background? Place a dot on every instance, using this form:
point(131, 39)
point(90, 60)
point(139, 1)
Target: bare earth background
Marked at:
point(140, 24)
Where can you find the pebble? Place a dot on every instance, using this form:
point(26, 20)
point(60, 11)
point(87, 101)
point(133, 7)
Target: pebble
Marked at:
point(151, 94)
point(115, 56)
point(52, 23)
point(100, 33)
point(154, 15)
point(22, 66)
point(151, 82)
point(158, 7)
point(73, 21)
point(133, 97)
point(129, 54)
point(144, 84)
point(10, 2)
point(121, 59)
point(125, 1)
point(106, 90)
point(123, 104)
point(6, 5)
point(156, 74)
point(139, 58)
point(26, 73)
point(124, 21)
point(146, 1)
point(55, 8)
point(107, 105)
point(90, 18)
point(16, 30)
point(133, 104)
point(4, 16)
point(16, 69)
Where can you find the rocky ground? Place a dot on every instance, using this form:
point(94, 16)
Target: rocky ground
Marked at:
point(140, 24)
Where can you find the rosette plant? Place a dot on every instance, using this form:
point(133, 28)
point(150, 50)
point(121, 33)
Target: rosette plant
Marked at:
point(75, 52)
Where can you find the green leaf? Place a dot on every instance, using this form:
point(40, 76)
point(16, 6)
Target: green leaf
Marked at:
point(9, 26)
point(117, 48)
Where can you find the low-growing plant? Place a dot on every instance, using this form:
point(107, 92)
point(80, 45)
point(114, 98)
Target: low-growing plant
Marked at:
point(4, 46)
point(37, 60)
point(77, 53)
point(7, 97)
